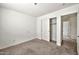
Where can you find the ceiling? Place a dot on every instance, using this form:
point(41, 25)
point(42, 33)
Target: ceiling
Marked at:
point(36, 10)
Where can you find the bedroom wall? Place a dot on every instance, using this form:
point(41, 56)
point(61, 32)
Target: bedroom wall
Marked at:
point(73, 24)
point(15, 27)
point(57, 14)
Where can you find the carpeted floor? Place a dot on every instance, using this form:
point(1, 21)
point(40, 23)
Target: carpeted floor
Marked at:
point(39, 47)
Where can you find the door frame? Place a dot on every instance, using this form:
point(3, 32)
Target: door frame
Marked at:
point(77, 31)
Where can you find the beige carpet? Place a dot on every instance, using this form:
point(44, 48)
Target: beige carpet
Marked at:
point(39, 47)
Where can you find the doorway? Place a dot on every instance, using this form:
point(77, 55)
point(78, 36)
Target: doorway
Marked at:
point(69, 31)
point(53, 29)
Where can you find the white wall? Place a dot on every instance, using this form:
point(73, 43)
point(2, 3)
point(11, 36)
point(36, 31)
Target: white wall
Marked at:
point(58, 14)
point(15, 27)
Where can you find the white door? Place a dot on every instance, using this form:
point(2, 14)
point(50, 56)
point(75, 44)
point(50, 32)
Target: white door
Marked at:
point(54, 32)
point(45, 29)
point(53, 29)
point(78, 32)
point(66, 29)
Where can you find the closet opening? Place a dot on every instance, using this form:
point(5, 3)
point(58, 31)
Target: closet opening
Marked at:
point(53, 29)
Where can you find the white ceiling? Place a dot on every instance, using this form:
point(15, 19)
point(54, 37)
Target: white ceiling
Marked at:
point(36, 10)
